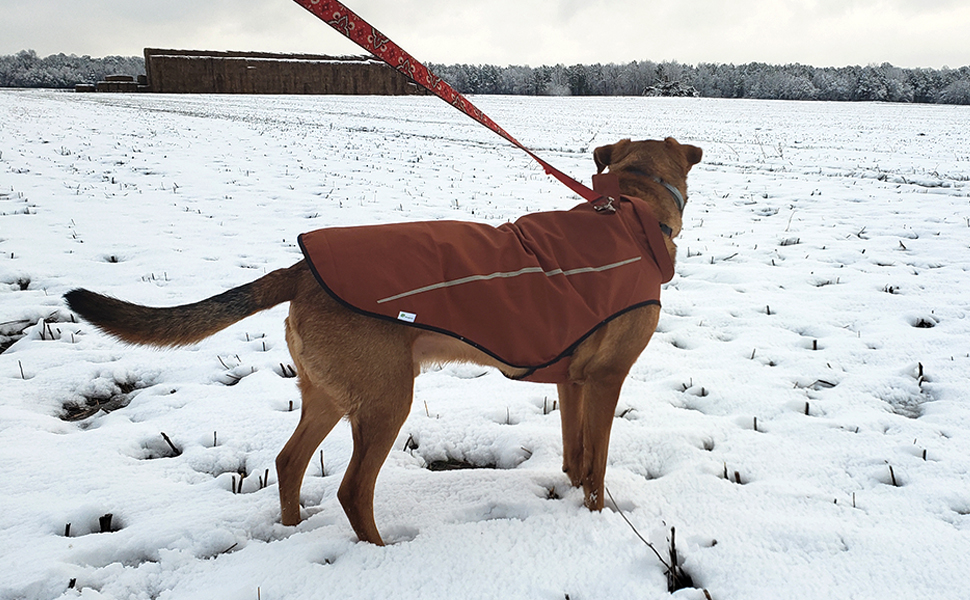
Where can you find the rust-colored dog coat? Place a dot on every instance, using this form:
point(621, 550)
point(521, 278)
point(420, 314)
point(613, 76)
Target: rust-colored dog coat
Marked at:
point(526, 293)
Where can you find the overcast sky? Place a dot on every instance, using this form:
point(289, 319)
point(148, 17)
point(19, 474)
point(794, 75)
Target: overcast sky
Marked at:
point(906, 33)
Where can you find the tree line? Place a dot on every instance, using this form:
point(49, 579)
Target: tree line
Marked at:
point(26, 69)
point(882, 83)
point(879, 83)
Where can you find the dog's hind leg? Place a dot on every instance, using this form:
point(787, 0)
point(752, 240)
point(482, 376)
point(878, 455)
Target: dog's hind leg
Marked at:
point(318, 415)
point(375, 425)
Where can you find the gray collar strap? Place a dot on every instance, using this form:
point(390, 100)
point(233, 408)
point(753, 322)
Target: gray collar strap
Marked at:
point(678, 197)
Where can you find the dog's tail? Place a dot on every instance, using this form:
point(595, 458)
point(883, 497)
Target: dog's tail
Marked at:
point(189, 323)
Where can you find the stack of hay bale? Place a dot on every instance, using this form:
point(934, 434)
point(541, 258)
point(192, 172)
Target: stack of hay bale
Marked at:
point(115, 83)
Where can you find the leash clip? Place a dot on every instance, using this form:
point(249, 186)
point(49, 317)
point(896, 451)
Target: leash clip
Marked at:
point(605, 207)
point(608, 186)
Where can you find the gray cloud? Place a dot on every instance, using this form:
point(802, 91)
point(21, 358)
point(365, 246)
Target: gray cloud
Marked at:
point(908, 33)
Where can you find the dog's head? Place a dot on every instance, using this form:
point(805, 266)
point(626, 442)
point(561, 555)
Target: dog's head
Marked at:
point(637, 163)
point(668, 157)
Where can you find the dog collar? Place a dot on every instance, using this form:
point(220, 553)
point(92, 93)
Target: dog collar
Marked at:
point(674, 192)
point(608, 184)
point(678, 197)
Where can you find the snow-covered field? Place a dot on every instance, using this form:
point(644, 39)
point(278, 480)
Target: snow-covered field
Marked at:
point(801, 417)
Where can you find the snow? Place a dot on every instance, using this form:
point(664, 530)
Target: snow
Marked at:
point(280, 58)
point(814, 346)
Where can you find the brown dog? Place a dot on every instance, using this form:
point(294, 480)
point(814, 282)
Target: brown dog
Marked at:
point(363, 368)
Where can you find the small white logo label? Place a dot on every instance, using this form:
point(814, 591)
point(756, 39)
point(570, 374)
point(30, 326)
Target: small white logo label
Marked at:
point(406, 316)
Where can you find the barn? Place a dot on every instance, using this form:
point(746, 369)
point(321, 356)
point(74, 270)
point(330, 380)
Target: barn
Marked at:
point(200, 71)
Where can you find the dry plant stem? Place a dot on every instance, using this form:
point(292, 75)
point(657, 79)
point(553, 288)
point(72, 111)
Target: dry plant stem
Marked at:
point(170, 444)
point(649, 545)
point(673, 547)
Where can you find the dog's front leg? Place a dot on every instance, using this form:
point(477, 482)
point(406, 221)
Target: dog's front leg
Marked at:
point(599, 406)
point(571, 412)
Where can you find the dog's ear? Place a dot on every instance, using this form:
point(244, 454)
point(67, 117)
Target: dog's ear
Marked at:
point(693, 154)
point(603, 156)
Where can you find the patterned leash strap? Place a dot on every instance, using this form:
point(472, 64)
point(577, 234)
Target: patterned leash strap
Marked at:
point(366, 36)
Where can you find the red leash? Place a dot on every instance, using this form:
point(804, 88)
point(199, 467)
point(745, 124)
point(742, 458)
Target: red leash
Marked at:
point(363, 34)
